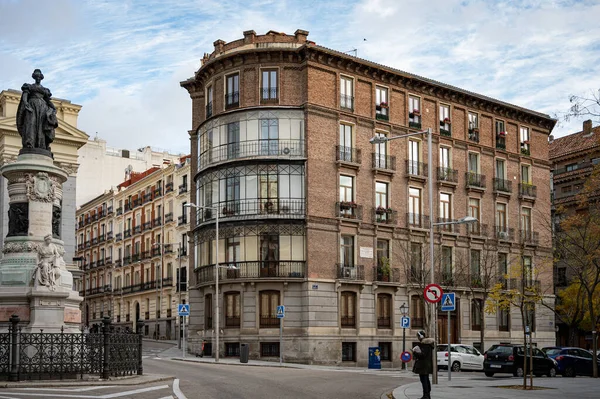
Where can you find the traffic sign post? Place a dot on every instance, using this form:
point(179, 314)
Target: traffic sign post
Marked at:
point(405, 357)
point(404, 323)
point(433, 293)
point(449, 305)
point(183, 309)
point(281, 316)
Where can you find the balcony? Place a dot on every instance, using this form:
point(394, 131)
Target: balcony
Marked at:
point(80, 224)
point(137, 229)
point(109, 236)
point(525, 148)
point(347, 155)
point(146, 254)
point(251, 208)
point(128, 206)
point(414, 119)
point(348, 210)
point(393, 276)
point(118, 263)
point(101, 238)
point(168, 248)
point(503, 233)
point(253, 148)
point(382, 112)
point(527, 191)
point(415, 220)
point(474, 134)
point(100, 262)
point(136, 257)
point(350, 272)
point(447, 228)
point(157, 192)
point(119, 211)
point(209, 109)
point(147, 226)
point(169, 187)
point(448, 278)
point(502, 186)
point(169, 217)
point(126, 260)
point(416, 276)
point(95, 241)
point(156, 250)
point(88, 244)
point(181, 220)
point(447, 176)
point(157, 222)
point(137, 202)
point(445, 129)
point(232, 100)
point(118, 236)
point(475, 181)
point(477, 229)
point(500, 142)
point(183, 188)
point(108, 260)
point(253, 270)
point(146, 315)
point(80, 247)
point(383, 162)
point(269, 95)
point(147, 198)
point(92, 265)
point(127, 233)
point(385, 215)
point(347, 102)
point(529, 285)
point(530, 237)
point(182, 252)
point(416, 170)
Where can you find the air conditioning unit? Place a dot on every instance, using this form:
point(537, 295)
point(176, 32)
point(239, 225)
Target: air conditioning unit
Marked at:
point(503, 235)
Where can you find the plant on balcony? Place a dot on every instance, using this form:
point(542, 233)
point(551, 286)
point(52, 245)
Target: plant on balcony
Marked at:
point(346, 205)
point(384, 104)
point(381, 210)
point(502, 134)
point(447, 120)
point(416, 112)
point(384, 268)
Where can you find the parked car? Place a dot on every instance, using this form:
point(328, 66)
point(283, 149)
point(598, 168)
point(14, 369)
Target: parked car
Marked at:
point(508, 358)
point(464, 357)
point(571, 361)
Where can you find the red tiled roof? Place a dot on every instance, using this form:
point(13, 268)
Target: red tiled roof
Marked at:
point(574, 143)
point(137, 176)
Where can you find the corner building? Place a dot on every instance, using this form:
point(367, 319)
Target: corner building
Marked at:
point(314, 217)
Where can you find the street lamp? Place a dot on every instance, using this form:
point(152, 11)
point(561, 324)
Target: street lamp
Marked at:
point(429, 132)
point(216, 210)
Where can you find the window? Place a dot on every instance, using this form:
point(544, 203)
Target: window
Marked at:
point(500, 169)
point(347, 251)
point(208, 308)
point(566, 189)
point(269, 349)
point(474, 163)
point(528, 271)
point(415, 262)
point(445, 121)
point(346, 92)
point(526, 222)
point(233, 140)
point(269, 255)
point(473, 121)
point(232, 309)
point(381, 201)
point(503, 320)
point(414, 158)
point(383, 257)
point(476, 309)
point(269, 85)
point(269, 192)
point(414, 206)
point(561, 277)
point(381, 103)
point(348, 309)
point(384, 311)
point(447, 276)
point(500, 135)
point(381, 160)
point(475, 261)
point(503, 268)
point(269, 300)
point(414, 112)
point(386, 350)
point(348, 351)
point(232, 349)
point(232, 90)
point(445, 210)
point(269, 137)
point(445, 159)
point(345, 149)
point(417, 311)
point(474, 211)
point(346, 195)
point(209, 101)
point(525, 174)
point(501, 217)
point(571, 167)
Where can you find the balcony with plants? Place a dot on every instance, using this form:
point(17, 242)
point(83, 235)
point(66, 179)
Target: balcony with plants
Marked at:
point(473, 133)
point(348, 210)
point(446, 127)
point(475, 181)
point(382, 111)
point(502, 186)
point(383, 272)
point(525, 148)
point(414, 119)
point(527, 191)
point(385, 215)
point(447, 176)
point(501, 140)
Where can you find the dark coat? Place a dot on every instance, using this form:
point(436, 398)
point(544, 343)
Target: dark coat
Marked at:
point(424, 360)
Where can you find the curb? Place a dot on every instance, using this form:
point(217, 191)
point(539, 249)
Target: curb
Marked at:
point(128, 380)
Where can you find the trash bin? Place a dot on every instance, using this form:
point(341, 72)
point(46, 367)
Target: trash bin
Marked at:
point(244, 352)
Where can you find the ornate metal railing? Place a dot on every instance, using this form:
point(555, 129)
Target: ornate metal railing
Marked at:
point(52, 356)
point(252, 269)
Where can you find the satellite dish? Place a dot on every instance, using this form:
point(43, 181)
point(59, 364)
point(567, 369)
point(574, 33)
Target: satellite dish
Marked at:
point(286, 151)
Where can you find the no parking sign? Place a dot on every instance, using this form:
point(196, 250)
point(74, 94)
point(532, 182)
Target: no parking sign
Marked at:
point(406, 356)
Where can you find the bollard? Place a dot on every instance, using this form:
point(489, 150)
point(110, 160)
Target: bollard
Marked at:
point(14, 363)
point(105, 333)
point(140, 328)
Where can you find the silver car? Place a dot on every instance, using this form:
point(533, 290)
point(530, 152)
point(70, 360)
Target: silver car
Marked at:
point(464, 357)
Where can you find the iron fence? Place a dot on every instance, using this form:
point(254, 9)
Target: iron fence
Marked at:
point(52, 356)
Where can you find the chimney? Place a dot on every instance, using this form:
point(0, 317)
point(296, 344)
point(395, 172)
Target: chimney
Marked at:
point(550, 138)
point(204, 59)
point(249, 36)
point(219, 46)
point(301, 35)
point(587, 127)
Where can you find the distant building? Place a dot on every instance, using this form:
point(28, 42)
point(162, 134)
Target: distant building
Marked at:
point(133, 244)
point(102, 167)
point(315, 217)
point(573, 158)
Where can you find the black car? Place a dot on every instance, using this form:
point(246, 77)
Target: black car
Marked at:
point(508, 358)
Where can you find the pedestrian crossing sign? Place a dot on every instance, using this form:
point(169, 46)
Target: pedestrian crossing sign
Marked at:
point(448, 302)
point(280, 312)
point(183, 309)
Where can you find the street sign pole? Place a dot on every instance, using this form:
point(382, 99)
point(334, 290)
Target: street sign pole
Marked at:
point(449, 351)
point(403, 346)
point(280, 342)
point(183, 338)
point(449, 305)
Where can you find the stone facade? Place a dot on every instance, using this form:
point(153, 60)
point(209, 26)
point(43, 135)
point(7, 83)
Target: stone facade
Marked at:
point(356, 207)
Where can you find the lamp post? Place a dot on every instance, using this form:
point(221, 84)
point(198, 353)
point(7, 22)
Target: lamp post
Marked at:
point(429, 133)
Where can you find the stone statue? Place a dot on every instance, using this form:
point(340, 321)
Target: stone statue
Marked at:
point(49, 264)
point(36, 115)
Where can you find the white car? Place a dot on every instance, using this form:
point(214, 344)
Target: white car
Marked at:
point(464, 357)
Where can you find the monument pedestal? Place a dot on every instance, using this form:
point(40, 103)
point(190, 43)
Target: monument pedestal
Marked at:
point(45, 299)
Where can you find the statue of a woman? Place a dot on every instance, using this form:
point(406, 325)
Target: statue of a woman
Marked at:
point(36, 115)
point(48, 264)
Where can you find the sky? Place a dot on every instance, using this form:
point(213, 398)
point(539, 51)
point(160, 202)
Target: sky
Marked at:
point(122, 60)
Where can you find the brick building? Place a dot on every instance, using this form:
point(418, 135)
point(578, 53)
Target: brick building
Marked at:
point(573, 158)
point(314, 217)
point(132, 243)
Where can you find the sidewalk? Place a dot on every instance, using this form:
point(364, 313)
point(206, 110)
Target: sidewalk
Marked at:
point(95, 381)
point(476, 386)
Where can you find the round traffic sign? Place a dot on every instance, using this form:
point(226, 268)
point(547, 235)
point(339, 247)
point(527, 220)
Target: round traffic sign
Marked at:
point(433, 293)
point(406, 356)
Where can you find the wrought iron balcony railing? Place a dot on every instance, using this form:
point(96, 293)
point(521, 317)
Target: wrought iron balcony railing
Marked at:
point(347, 102)
point(347, 154)
point(448, 175)
point(348, 210)
point(527, 190)
point(232, 100)
point(252, 270)
point(272, 207)
point(385, 215)
point(253, 148)
point(393, 275)
point(416, 168)
point(350, 272)
point(382, 161)
point(475, 180)
point(416, 220)
point(502, 185)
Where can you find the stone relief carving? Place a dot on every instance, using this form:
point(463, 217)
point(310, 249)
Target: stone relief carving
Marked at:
point(70, 168)
point(40, 187)
point(25, 246)
point(18, 219)
point(56, 221)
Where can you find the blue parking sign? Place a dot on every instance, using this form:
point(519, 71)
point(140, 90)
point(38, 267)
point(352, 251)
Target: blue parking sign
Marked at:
point(405, 322)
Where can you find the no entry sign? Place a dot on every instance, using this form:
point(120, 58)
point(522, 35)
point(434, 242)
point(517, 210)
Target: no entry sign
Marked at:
point(433, 293)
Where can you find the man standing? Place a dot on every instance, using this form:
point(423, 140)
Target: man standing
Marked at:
point(424, 362)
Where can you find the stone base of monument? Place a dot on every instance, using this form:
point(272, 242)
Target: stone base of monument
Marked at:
point(46, 301)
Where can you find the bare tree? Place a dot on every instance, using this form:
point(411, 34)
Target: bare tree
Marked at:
point(587, 105)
